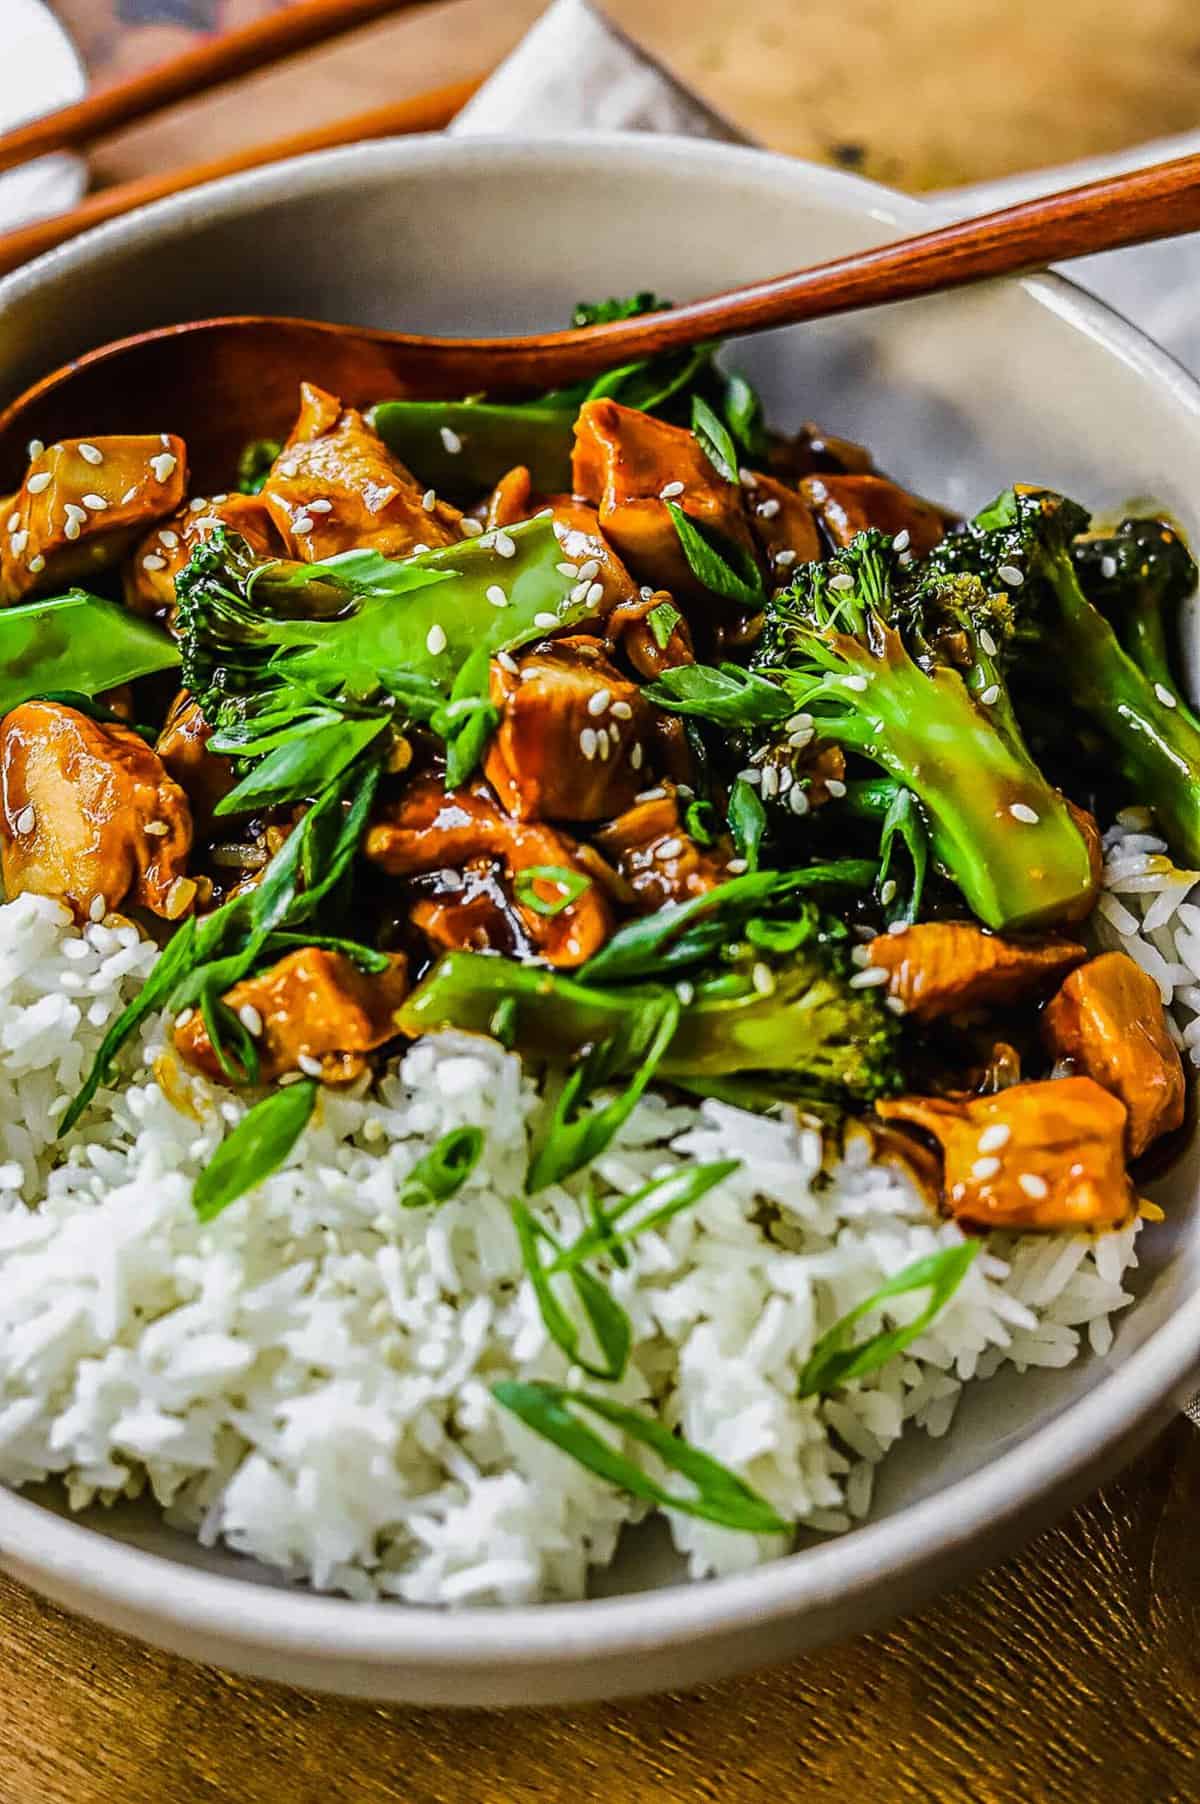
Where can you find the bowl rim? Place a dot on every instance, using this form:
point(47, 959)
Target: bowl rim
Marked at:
point(41, 1544)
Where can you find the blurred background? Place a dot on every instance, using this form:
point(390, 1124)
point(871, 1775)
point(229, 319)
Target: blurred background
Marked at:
point(924, 94)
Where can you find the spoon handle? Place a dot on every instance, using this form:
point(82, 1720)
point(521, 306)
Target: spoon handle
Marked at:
point(1162, 201)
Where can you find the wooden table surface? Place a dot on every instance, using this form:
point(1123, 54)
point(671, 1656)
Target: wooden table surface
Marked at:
point(1068, 1675)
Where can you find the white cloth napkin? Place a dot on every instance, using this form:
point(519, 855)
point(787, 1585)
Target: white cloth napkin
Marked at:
point(574, 71)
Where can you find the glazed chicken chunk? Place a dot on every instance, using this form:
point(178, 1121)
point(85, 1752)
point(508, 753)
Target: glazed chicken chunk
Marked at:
point(846, 505)
point(315, 1011)
point(82, 503)
point(1047, 1155)
point(460, 834)
point(658, 860)
point(571, 743)
point(629, 465)
point(951, 967)
point(89, 815)
point(335, 487)
point(1107, 1022)
point(155, 562)
point(205, 777)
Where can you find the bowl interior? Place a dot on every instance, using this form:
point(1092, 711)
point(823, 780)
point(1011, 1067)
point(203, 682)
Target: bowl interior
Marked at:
point(956, 396)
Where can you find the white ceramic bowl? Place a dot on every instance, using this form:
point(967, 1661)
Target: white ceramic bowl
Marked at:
point(957, 396)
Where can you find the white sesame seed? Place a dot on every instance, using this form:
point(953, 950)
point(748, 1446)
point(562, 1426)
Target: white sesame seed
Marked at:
point(636, 755)
point(417, 550)
point(197, 506)
point(506, 545)
point(763, 979)
point(798, 801)
point(786, 778)
point(622, 711)
point(602, 744)
point(153, 562)
point(97, 908)
point(184, 1016)
point(571, 571)
point(157, 829)
point(73, 512)
point(435, 638)
point(163, 466)
point(451, 442)
point(902, 540)
point(857, 683)
point(895, 1003)
point(669, 491)
point(598, 702)
point(472, 528)
point(871, 978)
point(429, 500)
point(751, 775)
point(507, 662)
point(990, 695)
point(18, 543)
point(302, 525)
point(767, 510)
point(668, 848)
point(985, 1168)
point(842, 582)
point(685, 991)
point(994, 1137)
point(589, 570)
point(497, 596)
point(251, 1020)
point(1108, 568)
point(290, 468)
point(595, 595)
point(35, 448)
point(545, 620)
point(1032, 1185)
point(798, 722)
point(168, 538)
point(1021, 811)
point(36, 484)
point(650, 795)
point(91, 454)
point(37, 564)
point(1164, 695)
point(898, 927)
point(1008, 573)
point(95, 504)
point(310, 1066)
point(579, 593)
point(748, 479)
point(887, 893)
point(987, 643)
point(320, 506)
point(685, 792)
point(736, 866)
point(587, 743)
point(835, 786)
point(72, 529)
point(26, 821)
point(646, 592)
point(785, 559)
point(770, 782)
point(861, 957)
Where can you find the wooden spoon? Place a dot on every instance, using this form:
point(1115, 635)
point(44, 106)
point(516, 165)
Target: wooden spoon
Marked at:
point(220, 382)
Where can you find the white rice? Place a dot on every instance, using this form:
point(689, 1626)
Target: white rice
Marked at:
point(307, 1379)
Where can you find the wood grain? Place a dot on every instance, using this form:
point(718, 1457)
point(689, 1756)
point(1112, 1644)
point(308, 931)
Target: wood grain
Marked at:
point(1071, 1675)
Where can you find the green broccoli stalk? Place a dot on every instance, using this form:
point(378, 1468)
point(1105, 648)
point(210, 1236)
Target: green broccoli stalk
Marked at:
point(793, 1013)
point(1139, 576)
point(1024, 541)
point(937, 718)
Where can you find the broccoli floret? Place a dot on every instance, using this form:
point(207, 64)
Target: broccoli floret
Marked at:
point(902, 664)
point(1025, 542)
point(1139, 576)
point(791, 1013)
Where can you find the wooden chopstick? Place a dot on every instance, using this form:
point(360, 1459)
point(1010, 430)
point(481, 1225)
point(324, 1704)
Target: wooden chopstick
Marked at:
point(222, 59)
point(426, 112)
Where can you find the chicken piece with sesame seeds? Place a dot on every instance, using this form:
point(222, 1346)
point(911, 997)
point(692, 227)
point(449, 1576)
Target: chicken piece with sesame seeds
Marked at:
point(941, 968)
point(783, 525)
point(315, 1011)
point(1108, 1022)
point(429, 829)
point(336, 487)
point(846, 505)
point(570, 724)
point(1048, 1156)
point(80, 507)
point(89, 815)
point(627, 464)
point(655, 855)
point(205, 777)
point(154, 563)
